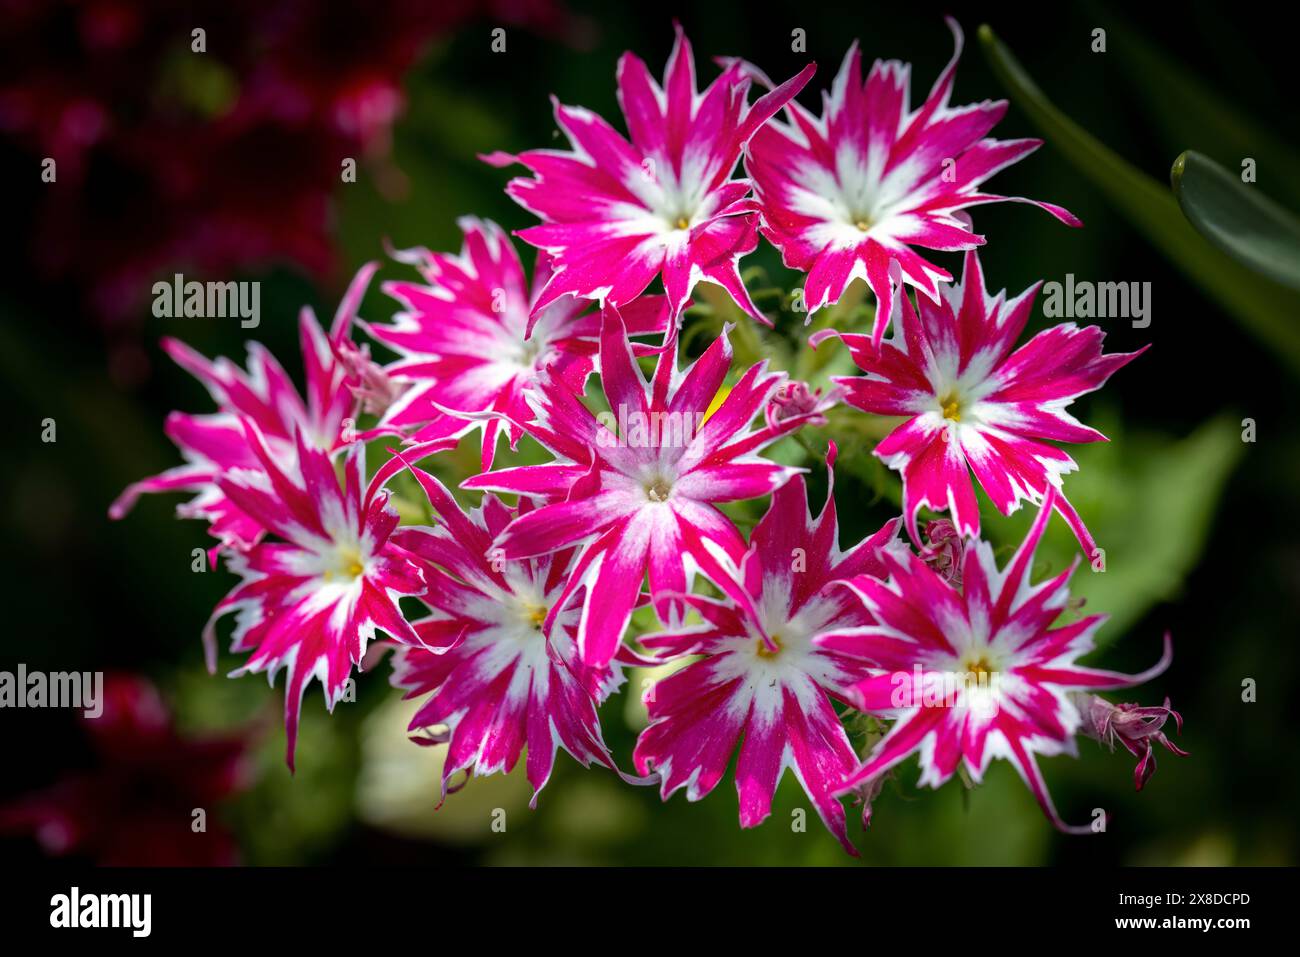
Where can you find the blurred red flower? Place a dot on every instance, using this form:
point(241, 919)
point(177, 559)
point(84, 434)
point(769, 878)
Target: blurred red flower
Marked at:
point(137, 806)
point(215, 161)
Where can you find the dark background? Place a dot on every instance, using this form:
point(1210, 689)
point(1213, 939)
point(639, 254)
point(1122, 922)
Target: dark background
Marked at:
point(1204, 526)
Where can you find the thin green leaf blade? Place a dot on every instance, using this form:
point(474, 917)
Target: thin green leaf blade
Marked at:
point(1237, 218)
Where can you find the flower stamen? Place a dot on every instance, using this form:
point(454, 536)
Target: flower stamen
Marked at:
point(659, 490)
point(980, 669)
point(950, 406)
point(348, 566)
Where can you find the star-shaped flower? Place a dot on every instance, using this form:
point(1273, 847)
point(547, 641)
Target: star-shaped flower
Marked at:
point(310, 603)
point(637, 486)
point(762, 684)
point(848, 194)
point(495, 678)
point(974, 405)
point(978, 673)
point(469, 344)
point(616, 214)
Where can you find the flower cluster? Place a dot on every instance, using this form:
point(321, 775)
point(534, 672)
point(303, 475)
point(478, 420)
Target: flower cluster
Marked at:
point(537, 582)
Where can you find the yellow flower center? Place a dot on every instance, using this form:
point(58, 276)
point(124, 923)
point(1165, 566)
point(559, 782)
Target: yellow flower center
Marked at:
point(764, 651)
point(536, 615)
point(349, 567)
point(863, 224)
point(980, 668)
point(683, 222)
point(951, 407)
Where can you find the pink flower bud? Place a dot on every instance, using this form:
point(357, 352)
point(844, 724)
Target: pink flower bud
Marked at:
point(866, 794)
point(372, 386)
point(795, 398)
point(943, 551)
point(1136, 727)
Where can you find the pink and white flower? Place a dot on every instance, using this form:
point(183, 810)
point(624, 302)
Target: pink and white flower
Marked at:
point(616, 214)
point(310, 603)
point(471, 343)
point(974, 405)
point(848, 194)
point(973, 674)
point(213, 444)
point(763, 685)
point(497, 680)
point(637, 487)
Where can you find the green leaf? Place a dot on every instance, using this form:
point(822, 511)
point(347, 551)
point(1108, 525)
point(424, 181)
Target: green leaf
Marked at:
point(1264, 307)
point(1237, 218)
point(1150, 505)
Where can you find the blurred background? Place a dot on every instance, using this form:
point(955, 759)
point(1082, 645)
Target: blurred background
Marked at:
point(226, 165)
